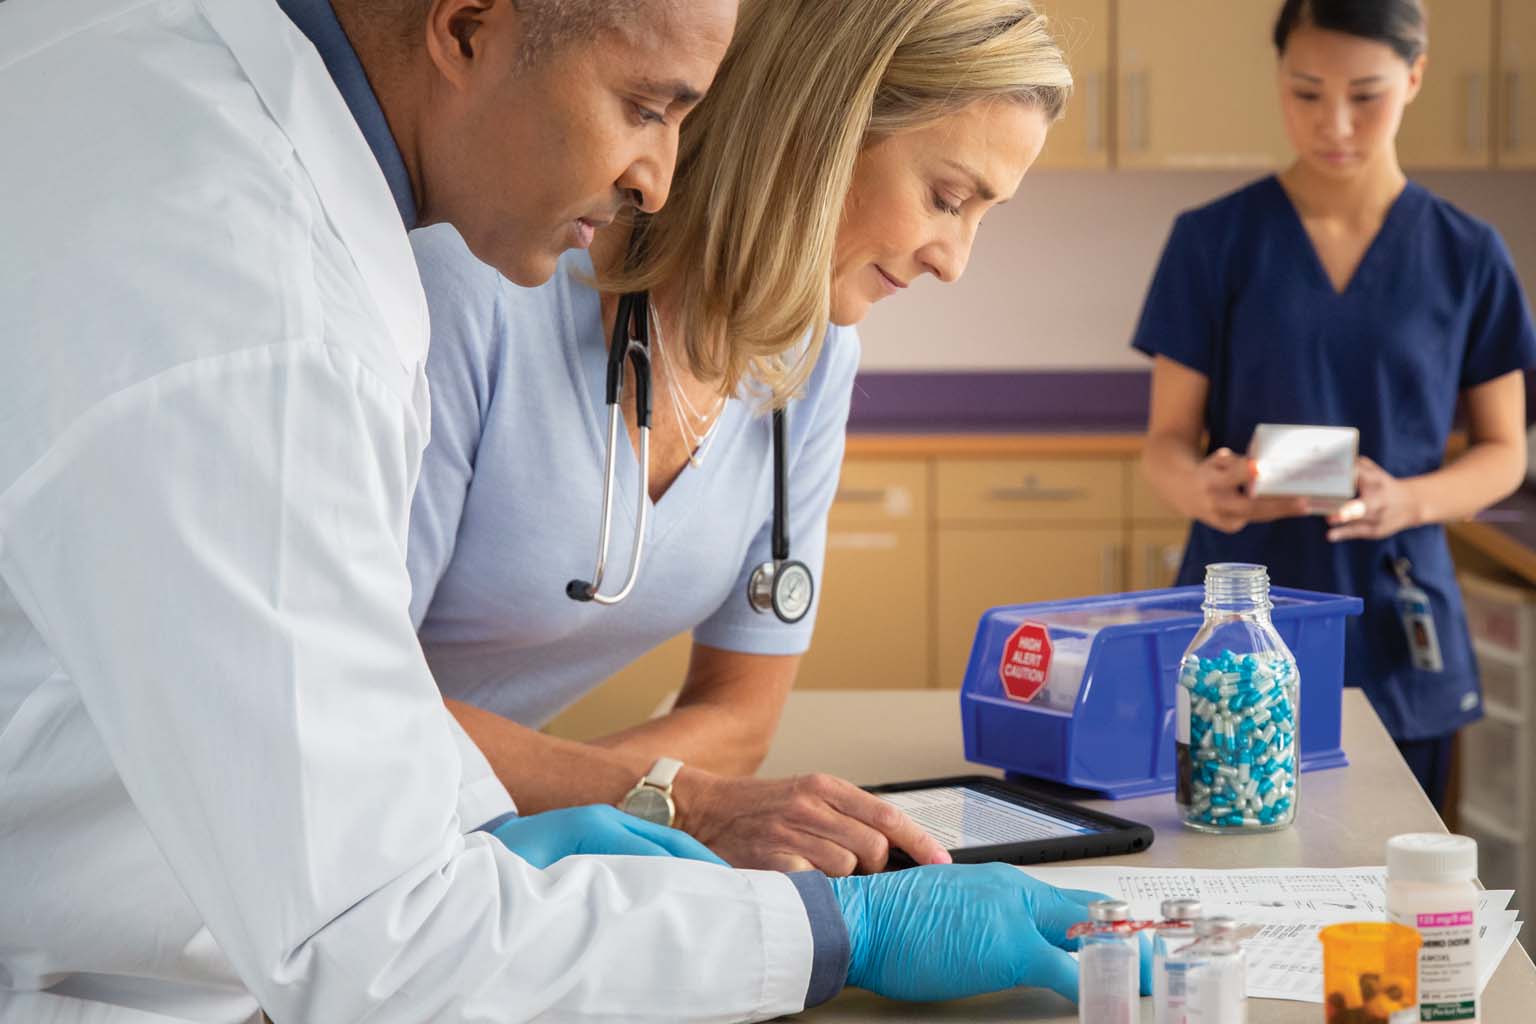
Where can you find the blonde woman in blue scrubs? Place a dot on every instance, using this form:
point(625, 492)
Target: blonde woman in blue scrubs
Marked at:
point(1338, 292)
point(844, 150)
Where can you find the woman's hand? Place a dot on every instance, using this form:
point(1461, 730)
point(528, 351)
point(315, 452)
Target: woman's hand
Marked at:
point(807, 822)
point(1222, 499)
point(1384, 506)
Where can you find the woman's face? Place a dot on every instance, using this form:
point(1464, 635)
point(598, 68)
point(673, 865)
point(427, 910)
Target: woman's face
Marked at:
point(918, 198)
point(1343, 98)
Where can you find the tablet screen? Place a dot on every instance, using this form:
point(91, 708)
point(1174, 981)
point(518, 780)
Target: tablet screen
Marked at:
point(960, 817)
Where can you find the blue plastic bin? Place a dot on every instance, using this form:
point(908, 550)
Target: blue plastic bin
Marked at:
point(1118, 737)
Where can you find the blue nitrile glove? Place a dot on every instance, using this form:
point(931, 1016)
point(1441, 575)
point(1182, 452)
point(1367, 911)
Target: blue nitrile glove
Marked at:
point(956, 930)
point(542, 839)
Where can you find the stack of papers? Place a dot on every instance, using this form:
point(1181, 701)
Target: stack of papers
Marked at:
point(1289, 906)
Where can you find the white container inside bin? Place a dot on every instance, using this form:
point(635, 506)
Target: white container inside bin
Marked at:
point(1069, 659)
point(1072, 633)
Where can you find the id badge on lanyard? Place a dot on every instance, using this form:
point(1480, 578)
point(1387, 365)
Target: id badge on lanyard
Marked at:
point(1418, 619)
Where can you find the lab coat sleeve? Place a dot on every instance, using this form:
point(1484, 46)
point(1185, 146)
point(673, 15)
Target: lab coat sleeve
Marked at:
point(463, 365)
point(215, 556)
point(817, 430)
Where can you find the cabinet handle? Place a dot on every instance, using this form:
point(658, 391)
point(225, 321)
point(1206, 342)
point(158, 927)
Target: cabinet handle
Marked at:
point(1511, 111)
point(1093, 100)
point(1477, 119)
point(1112, 574)
point(1136, 103)
point(1153, 565)
point(1032, 491)
point(860, 495)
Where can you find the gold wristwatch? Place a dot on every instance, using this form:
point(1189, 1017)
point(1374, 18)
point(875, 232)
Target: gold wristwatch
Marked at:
point(651, 799)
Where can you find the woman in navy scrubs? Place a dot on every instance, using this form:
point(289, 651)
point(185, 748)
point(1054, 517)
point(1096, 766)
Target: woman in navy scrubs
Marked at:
point(1340, 293)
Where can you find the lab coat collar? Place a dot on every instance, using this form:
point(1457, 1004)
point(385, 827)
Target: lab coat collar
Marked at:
point(302, 99)
point(317, 20)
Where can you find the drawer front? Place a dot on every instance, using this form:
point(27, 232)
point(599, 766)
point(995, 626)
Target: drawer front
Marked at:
point(1499, 620)
point(881, 493)
point(1506, 680)
point(1031, 490)
point(1490, 766)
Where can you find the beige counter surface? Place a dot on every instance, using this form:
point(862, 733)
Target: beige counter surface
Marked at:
point(1344, 819)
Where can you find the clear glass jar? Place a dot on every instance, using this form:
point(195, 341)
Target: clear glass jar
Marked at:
point(1239, 706)
point(1109, 966)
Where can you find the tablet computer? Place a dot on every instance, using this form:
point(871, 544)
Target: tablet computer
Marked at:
point(980, 819)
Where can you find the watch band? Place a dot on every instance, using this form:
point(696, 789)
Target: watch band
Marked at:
point(662, 773)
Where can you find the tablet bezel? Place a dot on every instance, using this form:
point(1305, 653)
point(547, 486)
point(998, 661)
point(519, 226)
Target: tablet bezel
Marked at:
point(1116, 835)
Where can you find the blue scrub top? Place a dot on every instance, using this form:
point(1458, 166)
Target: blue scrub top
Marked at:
point(1434, 308)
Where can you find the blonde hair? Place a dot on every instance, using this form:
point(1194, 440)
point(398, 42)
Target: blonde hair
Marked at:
point(744, 246)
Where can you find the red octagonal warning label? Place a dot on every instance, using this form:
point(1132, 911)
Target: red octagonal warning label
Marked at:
point(1026, 661)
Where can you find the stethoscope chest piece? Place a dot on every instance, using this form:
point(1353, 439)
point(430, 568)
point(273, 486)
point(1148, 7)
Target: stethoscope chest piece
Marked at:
point(785, 588)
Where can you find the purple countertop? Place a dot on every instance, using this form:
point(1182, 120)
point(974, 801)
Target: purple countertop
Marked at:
point(1099, 401)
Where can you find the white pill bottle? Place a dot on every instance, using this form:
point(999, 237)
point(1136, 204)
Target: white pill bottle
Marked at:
point(1431, 888)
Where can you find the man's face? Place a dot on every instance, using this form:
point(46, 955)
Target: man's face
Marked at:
point(530, 158)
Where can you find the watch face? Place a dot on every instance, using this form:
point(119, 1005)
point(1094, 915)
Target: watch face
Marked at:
point(792, 591)
point(650, 804)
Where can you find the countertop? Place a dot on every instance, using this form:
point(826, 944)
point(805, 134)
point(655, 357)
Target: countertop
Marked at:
point(1344, 819)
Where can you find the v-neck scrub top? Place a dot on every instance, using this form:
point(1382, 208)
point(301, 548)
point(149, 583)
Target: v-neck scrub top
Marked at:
point(1434, 308)
point(507, 510)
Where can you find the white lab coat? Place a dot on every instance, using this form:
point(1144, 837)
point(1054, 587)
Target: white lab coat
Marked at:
point(226, 777)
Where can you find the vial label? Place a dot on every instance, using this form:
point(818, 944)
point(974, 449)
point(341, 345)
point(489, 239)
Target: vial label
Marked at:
point(1217, 992)
point(1109, 983)
point(1447, 964)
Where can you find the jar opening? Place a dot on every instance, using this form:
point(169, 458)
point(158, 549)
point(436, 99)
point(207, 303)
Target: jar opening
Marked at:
point(1236, 586)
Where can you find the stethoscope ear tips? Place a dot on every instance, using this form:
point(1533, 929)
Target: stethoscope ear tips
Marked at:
point(579, 590)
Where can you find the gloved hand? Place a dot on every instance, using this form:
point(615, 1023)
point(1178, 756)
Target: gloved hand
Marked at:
point(542, 839)
point(958, 930)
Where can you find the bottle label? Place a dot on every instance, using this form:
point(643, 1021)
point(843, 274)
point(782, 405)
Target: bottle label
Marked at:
point(1447, 964)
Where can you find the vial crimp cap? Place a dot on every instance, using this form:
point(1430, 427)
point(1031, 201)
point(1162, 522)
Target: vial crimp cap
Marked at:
point(1109, 910)
point(1431, 858)
point(1212, 927)
point(1182, 909)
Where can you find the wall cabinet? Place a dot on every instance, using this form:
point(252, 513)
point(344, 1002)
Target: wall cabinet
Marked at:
point(1197, 85)
point(1515, 100)
point(1191, 84)
point(1081, 139)
point(1447, 126)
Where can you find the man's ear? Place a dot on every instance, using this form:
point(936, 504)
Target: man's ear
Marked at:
point(465, 36)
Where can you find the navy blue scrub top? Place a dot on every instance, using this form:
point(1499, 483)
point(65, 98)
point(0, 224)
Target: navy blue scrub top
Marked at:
point(1434, 308)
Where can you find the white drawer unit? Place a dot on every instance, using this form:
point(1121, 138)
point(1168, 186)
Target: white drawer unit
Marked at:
point(1497, 804)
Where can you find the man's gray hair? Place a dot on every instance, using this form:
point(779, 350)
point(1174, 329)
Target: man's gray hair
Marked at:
point(547, 24)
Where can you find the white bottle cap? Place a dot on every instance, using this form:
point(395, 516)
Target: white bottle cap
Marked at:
point(1431, 858)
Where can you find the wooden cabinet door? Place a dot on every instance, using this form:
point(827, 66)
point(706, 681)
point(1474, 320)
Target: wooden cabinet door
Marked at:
point(1155, 554)
point(872, 623)
point(1081, 138)
point(1197, 85)
point(1448, 124)
point(980, 567)
point(1516, 100)
point(630, 697)
point(872, 628)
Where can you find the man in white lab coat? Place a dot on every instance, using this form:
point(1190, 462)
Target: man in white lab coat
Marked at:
point(226, 777)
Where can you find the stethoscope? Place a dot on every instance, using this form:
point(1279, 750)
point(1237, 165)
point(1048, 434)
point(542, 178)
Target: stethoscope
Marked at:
point(781, 585)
